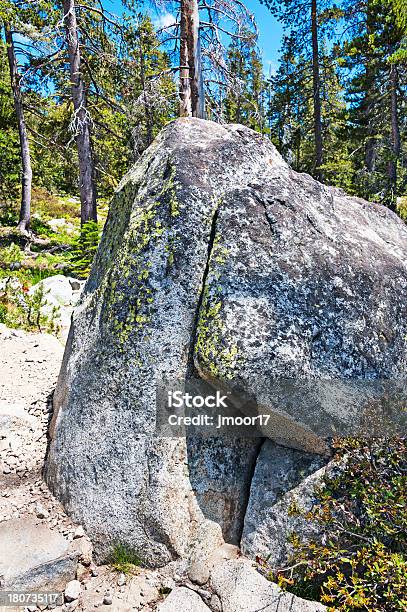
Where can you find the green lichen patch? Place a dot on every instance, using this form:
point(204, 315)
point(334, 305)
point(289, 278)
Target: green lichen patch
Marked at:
point(149, 241)
point(212, 349)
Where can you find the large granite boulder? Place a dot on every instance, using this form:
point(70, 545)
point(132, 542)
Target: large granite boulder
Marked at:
point(217, 259)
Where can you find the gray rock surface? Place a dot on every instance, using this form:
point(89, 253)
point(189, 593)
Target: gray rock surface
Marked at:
point(241, 588)
point(104, 463)
point(308, 286)
point(72, 590)
point(283, 477)
point(217, 258)
point(183, 599)
point(33, 557)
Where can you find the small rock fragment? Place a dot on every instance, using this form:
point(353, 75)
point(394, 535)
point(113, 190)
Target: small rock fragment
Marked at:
point(79, 532)
point(72, 590)
point(40, 511)
point(198, 573)
point(121, 581)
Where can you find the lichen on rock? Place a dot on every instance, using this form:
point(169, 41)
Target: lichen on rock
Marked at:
point(216, 258)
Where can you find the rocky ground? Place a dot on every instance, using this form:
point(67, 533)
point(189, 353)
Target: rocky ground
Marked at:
point(42, 550)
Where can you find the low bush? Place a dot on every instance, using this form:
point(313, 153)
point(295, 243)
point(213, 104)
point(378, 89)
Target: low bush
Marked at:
point(359, 560)
point(21, 309)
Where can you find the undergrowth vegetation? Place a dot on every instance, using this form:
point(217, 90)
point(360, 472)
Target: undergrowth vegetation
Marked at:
point(359, 559)
point(56, 245)
point(124, 559)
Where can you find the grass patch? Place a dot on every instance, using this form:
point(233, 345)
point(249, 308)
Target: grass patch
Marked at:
point(124, 559)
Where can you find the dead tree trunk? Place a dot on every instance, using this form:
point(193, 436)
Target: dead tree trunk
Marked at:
point(191, 89)
point(316, 88)
point(184, 88)
point(81, 120)
point(26, 179)
point(395, 132)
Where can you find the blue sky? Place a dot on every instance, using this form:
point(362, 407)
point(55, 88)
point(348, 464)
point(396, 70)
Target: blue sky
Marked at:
point(270, 33)
point(270, 30)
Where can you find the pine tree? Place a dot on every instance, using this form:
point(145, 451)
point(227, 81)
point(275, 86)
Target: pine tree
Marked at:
point(291, 112)
point(307, 22)
point(375, 97)
point(244, 92)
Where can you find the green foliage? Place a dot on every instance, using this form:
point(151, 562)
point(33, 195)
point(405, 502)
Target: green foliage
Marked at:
point(359, 561)
point(8, 215)
point(9, 142)
point(84, 249)
point(10, 255)
point(20, 308)
point(402, 208)
point(245, 91)
point(124, 559)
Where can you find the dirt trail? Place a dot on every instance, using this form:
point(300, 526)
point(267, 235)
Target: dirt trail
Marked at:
point(29, 366)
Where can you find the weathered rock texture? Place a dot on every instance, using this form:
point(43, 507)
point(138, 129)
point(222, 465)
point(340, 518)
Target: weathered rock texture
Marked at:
point(284, 479)
point(33, 557)
point(215, 256)
point(242, 589)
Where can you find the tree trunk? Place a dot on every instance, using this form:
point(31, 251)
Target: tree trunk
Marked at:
point(191, 88)
point(146, 104)
point(184, 88)
point(370, 99)
point(81, 117)
point(395, 132)
point(26, 179)
point(316, 87)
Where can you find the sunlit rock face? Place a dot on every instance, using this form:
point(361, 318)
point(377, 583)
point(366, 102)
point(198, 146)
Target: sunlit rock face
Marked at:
point(218, 260)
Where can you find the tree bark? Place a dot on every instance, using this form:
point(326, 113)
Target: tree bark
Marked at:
point(184, 89)
point(146, 104)
point(395, 131)
point(191, 88)
point(316, 87)
point(26, 179)
point(81, 117)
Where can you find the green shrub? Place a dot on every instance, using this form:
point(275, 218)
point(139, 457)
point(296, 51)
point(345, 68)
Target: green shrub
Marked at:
point(124, 559)
point(3, 313)
point(19, 309)
point(359, 560)
point(8, 215)
point(84, 249)
point(11, 254)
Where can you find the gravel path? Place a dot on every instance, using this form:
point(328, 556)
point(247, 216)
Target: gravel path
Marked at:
point(29, 366)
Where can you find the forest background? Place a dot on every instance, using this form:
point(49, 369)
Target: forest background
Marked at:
point(85, 85)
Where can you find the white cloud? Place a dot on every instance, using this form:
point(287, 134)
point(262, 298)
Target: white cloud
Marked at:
point(163, 20)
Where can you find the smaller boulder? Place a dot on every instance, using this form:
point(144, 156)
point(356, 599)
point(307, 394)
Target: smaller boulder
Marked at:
point(33, 557)
point(183, 599)
point(72, 590)
point(198, 573)
point(284, 478)
point(240, 587)
point(57, 287)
